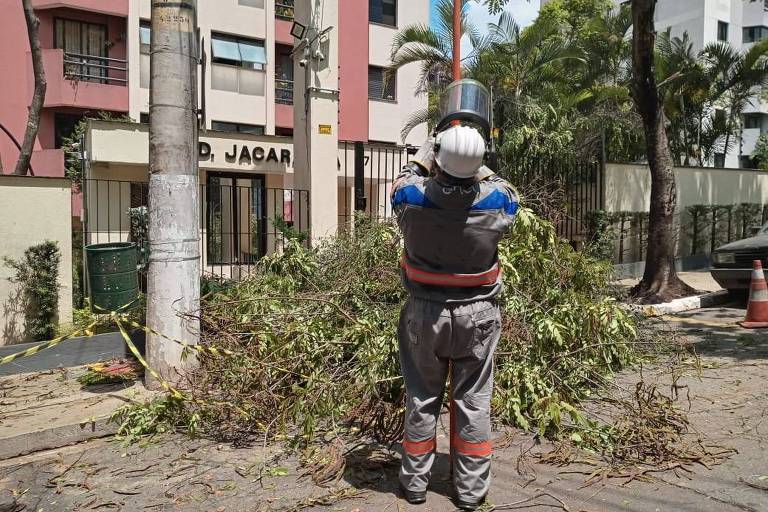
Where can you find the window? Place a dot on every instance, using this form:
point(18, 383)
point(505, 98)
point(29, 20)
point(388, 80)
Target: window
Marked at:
point(223, 126)
point(145, 35)
point(381, 85)
point(83, 44)
point(238, 65)
point(63, 126)
point(383, 11)
point(283, 75)
point(720, 160)
point(747, 162)
point(245, 53)
point(284, 9)
point(755, 34)
point(722, 31)
point(753, 121)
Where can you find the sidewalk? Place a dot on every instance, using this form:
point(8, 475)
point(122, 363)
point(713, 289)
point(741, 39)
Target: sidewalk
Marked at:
point(726, 404)
point(51, 409)
point(700, 280)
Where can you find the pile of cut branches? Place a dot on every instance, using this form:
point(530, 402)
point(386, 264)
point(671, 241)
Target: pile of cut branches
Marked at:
point(313, 333)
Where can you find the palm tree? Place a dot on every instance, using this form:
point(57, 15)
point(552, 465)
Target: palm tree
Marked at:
point(432, 48)
point(529, 73)
point(684, 88)
point(735, 78)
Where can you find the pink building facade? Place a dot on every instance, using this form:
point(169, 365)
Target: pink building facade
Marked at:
point(96, 60)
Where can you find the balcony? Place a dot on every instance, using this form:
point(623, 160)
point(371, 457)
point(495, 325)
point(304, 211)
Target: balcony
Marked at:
point(284, 9)
point(84, 81)
point(110, 7)
point(283, 21)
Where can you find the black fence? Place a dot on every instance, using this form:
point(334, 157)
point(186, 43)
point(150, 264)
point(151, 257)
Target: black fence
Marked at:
point(566, 190)
point(368, 172)
point(241, 220)
point(573, 188)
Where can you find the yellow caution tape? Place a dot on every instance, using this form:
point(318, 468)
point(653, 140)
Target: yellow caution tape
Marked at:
point(187, 346)
point(173, 391)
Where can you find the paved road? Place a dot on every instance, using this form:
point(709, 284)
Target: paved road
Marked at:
point(727, 405)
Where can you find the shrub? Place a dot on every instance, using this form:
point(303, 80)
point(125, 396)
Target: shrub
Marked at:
point(37, 272)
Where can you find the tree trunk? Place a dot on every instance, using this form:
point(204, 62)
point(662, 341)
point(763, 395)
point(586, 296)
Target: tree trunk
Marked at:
point(38, 96)
point(660, 281)
point(173, 280)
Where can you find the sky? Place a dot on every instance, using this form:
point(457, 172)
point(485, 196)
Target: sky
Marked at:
point(525, 11)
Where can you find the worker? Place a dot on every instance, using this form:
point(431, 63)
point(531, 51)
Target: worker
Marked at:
point(452, 211)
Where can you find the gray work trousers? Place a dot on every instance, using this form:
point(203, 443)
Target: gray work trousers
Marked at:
point(432, 335)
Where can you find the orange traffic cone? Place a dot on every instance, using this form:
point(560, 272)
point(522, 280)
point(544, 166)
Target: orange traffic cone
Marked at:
point(757, 309)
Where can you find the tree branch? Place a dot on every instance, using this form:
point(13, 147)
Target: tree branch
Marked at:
point(38, 97)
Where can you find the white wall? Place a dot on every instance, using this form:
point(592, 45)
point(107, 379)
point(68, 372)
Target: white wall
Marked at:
point(628, 187)
point(33, 210)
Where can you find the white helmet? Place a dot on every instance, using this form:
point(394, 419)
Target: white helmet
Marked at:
point(461, 150)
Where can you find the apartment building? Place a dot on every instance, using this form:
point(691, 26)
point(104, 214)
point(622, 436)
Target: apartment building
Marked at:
point(96, 56)
point(739, 22)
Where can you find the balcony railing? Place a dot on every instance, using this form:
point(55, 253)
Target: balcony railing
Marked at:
point(284, 9)
point(283, 91)
point(91, 68)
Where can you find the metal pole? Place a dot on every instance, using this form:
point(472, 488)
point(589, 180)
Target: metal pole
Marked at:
point(457, 39)
point(360, 199)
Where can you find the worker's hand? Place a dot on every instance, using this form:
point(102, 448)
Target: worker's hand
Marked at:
point(425, 156)
point(420, 164)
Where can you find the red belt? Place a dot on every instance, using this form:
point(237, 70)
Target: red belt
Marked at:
point(457, 280)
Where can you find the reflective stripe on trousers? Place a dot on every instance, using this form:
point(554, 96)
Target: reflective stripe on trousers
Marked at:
point(432, 335)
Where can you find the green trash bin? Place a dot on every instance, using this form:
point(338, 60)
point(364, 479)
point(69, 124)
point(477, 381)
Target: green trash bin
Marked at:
point(112, 276)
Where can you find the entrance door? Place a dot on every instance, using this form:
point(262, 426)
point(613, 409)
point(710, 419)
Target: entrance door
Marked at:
point(236, 219)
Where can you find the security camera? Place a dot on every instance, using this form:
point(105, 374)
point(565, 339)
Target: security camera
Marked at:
point(319, 55)
point(303, 63)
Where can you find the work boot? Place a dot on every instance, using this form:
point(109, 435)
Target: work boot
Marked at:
point(470, 505)
point(414, 497)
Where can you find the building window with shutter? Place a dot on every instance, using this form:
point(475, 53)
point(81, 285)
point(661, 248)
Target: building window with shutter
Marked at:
point(381, 85)
point(238, 64)
point(237, 51)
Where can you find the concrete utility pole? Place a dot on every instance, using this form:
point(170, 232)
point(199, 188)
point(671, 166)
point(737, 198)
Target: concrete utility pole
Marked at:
point(173, 284)
point(316, 114)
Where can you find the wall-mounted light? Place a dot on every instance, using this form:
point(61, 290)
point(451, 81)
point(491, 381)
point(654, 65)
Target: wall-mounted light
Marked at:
point(297, 30)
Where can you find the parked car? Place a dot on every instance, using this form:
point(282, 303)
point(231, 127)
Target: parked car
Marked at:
point(732, 263)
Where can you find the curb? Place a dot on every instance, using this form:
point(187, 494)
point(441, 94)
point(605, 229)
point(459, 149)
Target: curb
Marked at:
point(56, 437)
point(706, 300)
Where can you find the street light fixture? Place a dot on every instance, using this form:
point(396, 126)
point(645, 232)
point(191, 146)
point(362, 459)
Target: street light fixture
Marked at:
point(297, 30)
